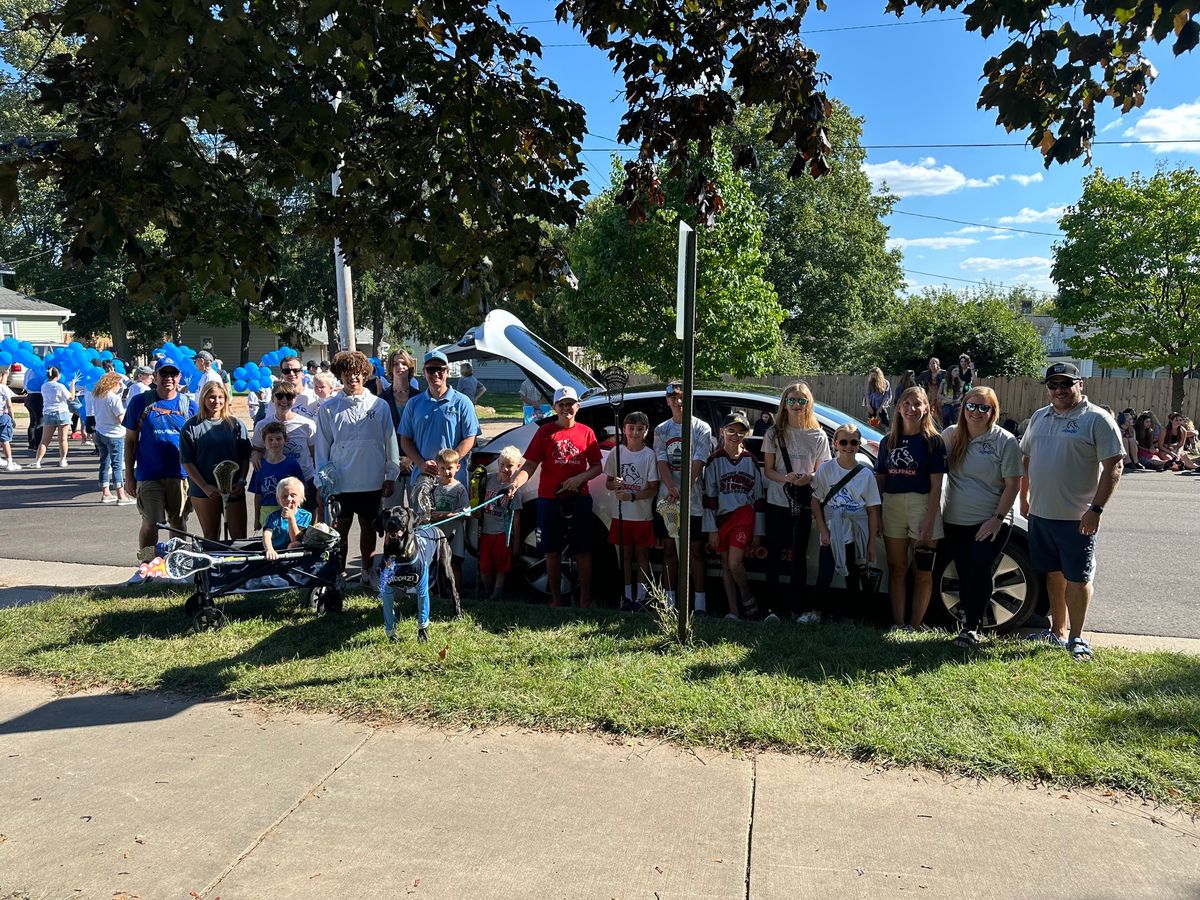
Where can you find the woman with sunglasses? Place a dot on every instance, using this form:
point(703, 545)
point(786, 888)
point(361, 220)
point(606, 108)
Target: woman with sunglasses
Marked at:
point(301, 437)
point(910, 468)
point(985, 475)
point(792, 451)
point(845, 505)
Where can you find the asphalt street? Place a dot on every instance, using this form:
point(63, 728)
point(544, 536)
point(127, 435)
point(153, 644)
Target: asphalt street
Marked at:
point(1146, 584)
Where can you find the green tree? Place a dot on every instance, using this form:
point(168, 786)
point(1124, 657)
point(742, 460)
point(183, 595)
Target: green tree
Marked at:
point(825, 240)
point(985, 323)
point(1128, 272)
point(625, 304)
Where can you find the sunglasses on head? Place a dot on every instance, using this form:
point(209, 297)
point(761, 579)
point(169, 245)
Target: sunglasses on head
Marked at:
point(1059, 385)
point(972, 406)
point(797, 401)
point(848, 442)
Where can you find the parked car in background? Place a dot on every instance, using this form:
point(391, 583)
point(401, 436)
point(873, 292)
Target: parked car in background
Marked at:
point(14, 375)
point(503, 336)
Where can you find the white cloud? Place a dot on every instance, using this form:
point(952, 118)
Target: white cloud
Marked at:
point(1115, 123)
point(925, 179)
point(1001, 236)
point(932, 243)
point(1179, 123)
point(972, 229)
point(994, 264)
point(1026, 180)
point(1027, 215)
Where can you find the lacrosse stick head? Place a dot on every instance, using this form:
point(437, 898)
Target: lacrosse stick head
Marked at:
point(181, 564)
point(225, 473)
point(669, 511)
point(326, 479)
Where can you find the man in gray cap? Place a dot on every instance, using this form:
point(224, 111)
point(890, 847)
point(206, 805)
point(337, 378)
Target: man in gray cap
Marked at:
point(1072, 456)
point(143, 376)
point(208, 372)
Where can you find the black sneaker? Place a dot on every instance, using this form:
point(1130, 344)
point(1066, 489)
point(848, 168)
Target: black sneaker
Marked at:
point(968, 639)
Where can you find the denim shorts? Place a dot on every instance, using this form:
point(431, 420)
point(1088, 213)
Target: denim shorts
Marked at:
point(54, 419)
point(1055, 545)
point(6, 428)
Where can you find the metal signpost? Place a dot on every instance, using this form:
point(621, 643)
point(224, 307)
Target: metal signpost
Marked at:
point(685, 329)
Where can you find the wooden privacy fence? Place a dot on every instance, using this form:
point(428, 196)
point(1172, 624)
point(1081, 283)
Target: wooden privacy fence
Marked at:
point(1019, 397)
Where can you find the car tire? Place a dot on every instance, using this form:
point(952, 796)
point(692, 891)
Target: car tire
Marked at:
point(1015, 593)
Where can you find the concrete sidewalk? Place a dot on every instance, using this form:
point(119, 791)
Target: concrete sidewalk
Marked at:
point(154, 796)
point(28, 581)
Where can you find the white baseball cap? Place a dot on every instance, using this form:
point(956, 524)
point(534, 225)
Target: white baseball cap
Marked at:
point(565, 393)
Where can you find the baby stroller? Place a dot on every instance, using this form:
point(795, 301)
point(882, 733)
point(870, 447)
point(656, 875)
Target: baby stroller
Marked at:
point(220, 568)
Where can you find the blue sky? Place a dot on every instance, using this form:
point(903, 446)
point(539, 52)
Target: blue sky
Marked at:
point(918, 84)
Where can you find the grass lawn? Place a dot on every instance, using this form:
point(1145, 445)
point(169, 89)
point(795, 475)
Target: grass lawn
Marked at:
point(1128, 720)
point(507, 406)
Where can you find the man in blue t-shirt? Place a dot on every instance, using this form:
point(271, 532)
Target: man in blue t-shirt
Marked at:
point(153, 473)
point(438, 419)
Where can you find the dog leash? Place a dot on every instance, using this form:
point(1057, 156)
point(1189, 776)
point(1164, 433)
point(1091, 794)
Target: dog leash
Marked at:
point(466, 512)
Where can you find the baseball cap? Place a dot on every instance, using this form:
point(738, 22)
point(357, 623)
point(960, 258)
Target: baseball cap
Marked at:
point(565, 393)
point(1066, 370)
point(735, 419)
point(166, 363)
point(204, 354)
point(436, 356)
point(674, 388)
point(143, 370)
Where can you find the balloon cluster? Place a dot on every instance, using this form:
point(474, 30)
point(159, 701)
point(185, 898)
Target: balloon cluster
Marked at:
point(75, 362)
point(256, 376)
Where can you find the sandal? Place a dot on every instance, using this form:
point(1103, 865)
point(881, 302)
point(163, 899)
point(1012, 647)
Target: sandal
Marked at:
point(1080, 650)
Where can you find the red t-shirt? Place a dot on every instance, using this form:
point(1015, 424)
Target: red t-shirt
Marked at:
point(563, 453)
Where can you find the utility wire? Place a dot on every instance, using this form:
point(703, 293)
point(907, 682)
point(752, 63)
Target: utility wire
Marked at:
point(13, 262)
point(973, 281)
point(900, 212)
point(948, 146)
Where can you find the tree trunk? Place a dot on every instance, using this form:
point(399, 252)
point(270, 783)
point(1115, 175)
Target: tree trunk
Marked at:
point(1176, 391)
point(118, 328)
point(376, 326)
point(244, 346)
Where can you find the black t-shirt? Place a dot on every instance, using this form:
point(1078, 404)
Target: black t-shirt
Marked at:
point(907, 467)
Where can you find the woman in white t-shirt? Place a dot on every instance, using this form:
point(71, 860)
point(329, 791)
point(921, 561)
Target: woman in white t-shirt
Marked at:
point(847, 515)
point(792, 451)
point(108, 409)
point(56, 416)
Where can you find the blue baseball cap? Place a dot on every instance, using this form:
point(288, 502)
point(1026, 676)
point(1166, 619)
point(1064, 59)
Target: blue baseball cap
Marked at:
point(436, 356)
point(166, 363)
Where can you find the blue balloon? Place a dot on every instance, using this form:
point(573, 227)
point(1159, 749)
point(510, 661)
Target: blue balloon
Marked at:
point(239, 385)
point(10, 344)
point(6, 358)
point(91, 353)
point(75, 345)
point(119, 366)
point(106, 355)
point(239, 373)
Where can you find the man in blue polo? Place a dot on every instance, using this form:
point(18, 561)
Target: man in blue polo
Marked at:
point(153, 473)
point(438, 418)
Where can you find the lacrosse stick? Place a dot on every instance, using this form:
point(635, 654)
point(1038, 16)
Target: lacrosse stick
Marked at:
point(185, 563)
point(669, 511)
point(224, 474)
point(326, 482)
point(615, 379)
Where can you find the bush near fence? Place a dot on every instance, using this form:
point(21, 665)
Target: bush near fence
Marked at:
point(1019, 397)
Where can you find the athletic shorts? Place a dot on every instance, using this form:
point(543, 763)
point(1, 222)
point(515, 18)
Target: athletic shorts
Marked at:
point(163, 500)
point(360, 503)
point(54, 419)
point(737, 530)
point(6, 428)
point(494, 554)
point(555, 530)
point(637, 534)
point(903, 515)
point(1055, 545)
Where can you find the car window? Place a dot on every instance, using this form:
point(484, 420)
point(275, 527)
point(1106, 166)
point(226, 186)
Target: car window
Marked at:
point(725, 406)
point(600, 417)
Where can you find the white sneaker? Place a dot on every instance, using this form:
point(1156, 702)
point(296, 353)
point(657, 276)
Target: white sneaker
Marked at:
point(14, 466)
point(3, 465)
point(62, 463)
point(36, 464)
point(126, 501)
point(108, 498)
point(809, 618)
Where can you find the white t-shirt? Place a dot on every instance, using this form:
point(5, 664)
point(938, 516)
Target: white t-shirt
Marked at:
point(668, 447)
point(638, 469)
point(6, 397)
point(858, 493)
point(807, 448)
point(211, 375)
point(54, 397)
point(301, 435)
point(108, 412)
point(135, 388)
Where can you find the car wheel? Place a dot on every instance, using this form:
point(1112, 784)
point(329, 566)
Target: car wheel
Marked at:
point(1015, 591)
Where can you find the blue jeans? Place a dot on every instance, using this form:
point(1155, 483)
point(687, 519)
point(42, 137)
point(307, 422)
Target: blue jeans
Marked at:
point(112, 461)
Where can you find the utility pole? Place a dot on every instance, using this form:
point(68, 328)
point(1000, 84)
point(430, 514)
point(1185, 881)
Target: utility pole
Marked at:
point(345, 287)
point(685, 328)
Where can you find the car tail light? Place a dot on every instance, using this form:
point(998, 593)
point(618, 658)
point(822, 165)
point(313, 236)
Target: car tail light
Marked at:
point(15, 367)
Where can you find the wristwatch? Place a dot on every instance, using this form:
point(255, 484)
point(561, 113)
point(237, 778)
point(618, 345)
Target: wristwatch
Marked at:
point(1000, 517)
point(1096, 509)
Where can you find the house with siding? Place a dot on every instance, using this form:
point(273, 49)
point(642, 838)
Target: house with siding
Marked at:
point(27, 318)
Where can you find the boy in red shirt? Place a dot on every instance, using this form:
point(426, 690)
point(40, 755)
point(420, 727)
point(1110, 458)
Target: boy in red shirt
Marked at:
point(570, 458)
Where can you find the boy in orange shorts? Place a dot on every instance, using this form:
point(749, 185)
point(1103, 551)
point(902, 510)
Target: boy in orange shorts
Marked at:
point(496, 523)
point(633, 487)
point(734, 511)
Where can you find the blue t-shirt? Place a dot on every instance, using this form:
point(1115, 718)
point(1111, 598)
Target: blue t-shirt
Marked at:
point(279, 528)
point(434, 425)
point(268, 476)
point(158, 434)
point(909, 464)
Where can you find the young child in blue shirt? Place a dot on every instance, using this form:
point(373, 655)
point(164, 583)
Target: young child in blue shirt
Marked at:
point(284, 525)
point(275, 467)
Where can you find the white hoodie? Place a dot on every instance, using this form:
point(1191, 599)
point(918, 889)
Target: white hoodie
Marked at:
point(357, 434)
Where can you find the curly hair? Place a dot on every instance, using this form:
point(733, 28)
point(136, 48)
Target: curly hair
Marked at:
point(351, 362)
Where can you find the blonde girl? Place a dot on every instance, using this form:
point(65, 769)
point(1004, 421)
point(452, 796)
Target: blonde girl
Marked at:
point(210, 437)
point(108, 410)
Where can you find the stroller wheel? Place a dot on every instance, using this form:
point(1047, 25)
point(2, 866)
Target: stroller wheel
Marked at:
point(210, 618)
point(191, 606)
point(312, 599)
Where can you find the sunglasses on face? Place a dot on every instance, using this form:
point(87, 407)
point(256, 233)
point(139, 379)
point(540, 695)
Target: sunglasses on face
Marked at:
point(848, 442)
point(1059, 385)
point(435, 370)
point(291, 371)
point(978, 407)
point(797, 401)
point(286, 398)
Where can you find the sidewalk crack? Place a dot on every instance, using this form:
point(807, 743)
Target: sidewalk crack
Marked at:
point(750, 824)
point(309, 792)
